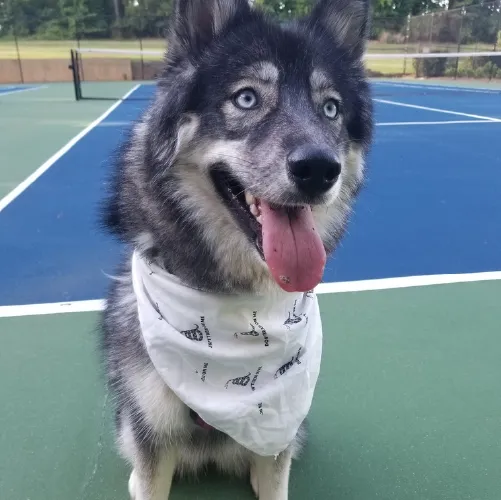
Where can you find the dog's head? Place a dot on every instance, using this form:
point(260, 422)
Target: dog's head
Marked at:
point(243, 170)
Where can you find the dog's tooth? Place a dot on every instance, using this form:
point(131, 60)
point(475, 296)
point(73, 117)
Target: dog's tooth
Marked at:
point(260, 219)
point(254, 210)
point(249, 198)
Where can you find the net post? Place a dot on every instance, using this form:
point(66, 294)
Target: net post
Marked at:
point(75, 73)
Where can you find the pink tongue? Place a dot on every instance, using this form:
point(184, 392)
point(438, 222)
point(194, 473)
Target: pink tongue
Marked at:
point(292, 247)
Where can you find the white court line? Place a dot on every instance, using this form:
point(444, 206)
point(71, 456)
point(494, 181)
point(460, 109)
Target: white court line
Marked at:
point(479, 90)
point(405, 282)
point(323, 288)
point(115, 124)
point(446, 122)
point(54, 308)
point(437, 110)
point(18, 91)
point(9, 198)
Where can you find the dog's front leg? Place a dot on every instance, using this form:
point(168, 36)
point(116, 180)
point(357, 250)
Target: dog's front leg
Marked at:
point(270, 476)
point(151, 478)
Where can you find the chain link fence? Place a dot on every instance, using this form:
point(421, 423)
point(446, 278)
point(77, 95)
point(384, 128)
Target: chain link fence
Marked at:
point(469, 29)
point(25, 39)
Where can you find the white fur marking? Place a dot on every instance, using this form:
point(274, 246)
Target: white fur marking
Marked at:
point(264, 71)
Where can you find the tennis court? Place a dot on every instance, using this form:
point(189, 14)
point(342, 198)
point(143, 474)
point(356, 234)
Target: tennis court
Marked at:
point(408, 403)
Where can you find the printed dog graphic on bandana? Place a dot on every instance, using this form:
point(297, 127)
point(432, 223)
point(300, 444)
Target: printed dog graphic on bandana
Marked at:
point(287, 366)
point(253, 332)
point(194, 334)
point(294, 318)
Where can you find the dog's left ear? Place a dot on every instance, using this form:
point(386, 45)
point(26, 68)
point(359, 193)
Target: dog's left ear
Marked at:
point(197, 22)
point(346, 20)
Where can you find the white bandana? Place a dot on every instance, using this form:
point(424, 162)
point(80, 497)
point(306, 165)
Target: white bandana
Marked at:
point(247, 364)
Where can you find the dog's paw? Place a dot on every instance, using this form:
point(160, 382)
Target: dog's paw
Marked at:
point(132, 485)
point(253, 481)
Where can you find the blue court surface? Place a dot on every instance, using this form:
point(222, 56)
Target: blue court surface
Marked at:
point(431, 204)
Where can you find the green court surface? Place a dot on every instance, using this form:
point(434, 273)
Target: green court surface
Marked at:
point(34, 125)
point(408, 404)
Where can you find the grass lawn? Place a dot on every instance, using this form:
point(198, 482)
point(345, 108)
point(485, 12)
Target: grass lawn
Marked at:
point(60, 49)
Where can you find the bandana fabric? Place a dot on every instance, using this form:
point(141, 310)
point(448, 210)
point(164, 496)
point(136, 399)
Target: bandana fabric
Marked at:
point(246, 364)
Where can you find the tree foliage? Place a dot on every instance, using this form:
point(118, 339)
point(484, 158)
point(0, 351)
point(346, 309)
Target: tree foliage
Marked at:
point(63, 19)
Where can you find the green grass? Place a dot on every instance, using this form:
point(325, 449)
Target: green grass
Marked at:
point(60, 49)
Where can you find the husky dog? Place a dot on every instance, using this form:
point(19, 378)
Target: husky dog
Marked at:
point(256, 138)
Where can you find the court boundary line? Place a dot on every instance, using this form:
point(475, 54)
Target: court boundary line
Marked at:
point(444, 122)
point(18, 91)
point(322, 289)
point(20, 188)
point(438, 110)
point(445, 88)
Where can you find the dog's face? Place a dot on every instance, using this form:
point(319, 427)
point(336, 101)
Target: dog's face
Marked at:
point(257, 138)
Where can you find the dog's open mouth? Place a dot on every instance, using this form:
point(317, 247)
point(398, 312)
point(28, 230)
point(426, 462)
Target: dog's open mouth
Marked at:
point(285, 236)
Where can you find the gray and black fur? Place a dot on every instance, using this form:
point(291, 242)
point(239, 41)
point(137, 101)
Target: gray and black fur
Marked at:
point(193, 147)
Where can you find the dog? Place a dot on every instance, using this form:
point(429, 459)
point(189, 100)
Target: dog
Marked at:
point(238, 180)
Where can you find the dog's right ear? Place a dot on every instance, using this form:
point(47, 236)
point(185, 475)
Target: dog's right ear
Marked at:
point(346, 20)
point(196, 23)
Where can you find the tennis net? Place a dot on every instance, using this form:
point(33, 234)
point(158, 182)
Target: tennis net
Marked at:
point(101, 73)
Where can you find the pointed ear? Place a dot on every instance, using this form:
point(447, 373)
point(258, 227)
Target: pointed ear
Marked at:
point(197, 22)
point(346, 20)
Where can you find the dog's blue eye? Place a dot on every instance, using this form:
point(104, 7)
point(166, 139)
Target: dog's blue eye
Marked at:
point(245, 99)
point(331, 109)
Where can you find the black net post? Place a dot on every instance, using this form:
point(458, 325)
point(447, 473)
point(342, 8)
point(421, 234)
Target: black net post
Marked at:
point(76, 75)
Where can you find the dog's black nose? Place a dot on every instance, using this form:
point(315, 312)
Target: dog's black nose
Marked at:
point(313, 170)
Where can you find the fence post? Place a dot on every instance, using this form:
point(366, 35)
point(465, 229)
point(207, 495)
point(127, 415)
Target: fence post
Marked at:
point(407, 31)
point(142, 59)
point(19, 63)
point(459, 43)
point(498, 34)
point(430, 39)
point(78, 37)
